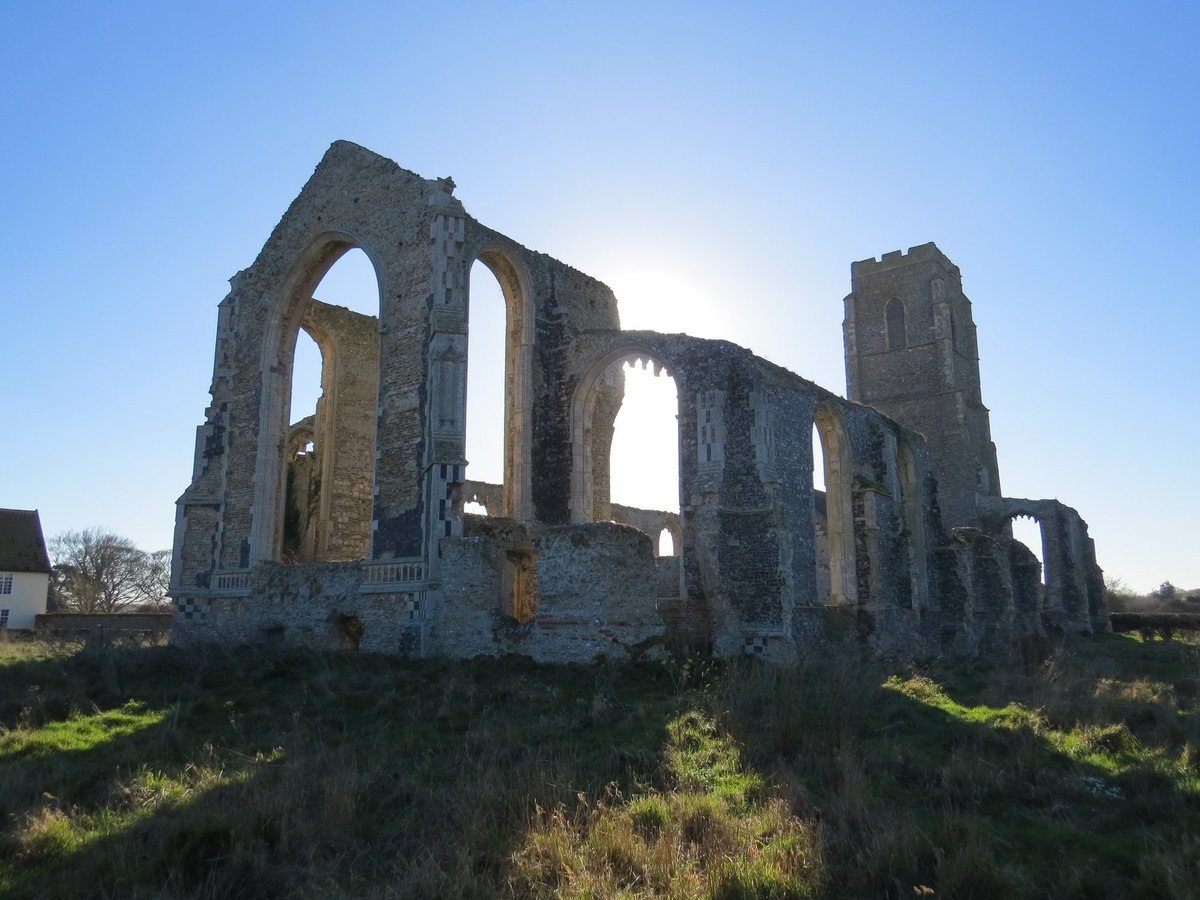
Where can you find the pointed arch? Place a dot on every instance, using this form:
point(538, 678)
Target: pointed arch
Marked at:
point(287, 315)
point(514, 282)
point(1030, 530)
point(589, 488)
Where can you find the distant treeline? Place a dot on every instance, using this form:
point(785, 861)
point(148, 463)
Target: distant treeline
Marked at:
point(1150, 624)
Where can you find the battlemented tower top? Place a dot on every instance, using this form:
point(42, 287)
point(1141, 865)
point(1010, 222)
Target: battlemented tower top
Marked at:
point(894, 258)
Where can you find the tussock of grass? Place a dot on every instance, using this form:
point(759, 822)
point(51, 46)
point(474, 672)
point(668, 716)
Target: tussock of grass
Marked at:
point(155, 773)
point(708, 834)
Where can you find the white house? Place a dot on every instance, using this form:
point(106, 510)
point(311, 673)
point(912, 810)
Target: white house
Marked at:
point(24, 568)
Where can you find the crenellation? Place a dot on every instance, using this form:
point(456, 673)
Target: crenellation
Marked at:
point(893, 258)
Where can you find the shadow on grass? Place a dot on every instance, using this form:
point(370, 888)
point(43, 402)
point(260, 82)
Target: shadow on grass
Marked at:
point(302, 774)
point(973, 791)
point(305, 774)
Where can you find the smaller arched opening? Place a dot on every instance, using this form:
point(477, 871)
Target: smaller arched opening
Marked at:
point(837, 577)
point(481, 499)
point(666, 543)
point(896, 334)
point(303, 489)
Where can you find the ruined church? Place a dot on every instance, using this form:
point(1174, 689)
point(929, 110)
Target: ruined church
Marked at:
point(348, 529)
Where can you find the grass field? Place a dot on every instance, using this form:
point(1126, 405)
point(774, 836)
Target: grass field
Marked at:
point(159, 773)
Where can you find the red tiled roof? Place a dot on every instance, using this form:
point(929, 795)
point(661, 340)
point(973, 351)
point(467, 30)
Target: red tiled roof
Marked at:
point(22, 547)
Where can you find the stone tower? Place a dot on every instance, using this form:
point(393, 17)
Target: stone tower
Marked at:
point(911, 353)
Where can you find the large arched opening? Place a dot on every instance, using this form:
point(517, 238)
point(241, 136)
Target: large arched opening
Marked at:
point(499, 388)
point(318, 505)
point(625, 447)
point(1029, 530)
point(644, 458)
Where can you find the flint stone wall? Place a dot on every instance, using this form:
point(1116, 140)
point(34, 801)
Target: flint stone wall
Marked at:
point(764, 564)
point(319, 605)
point(597, 598)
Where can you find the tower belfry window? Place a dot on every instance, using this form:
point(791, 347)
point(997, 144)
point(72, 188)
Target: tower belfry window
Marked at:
point(897, 340)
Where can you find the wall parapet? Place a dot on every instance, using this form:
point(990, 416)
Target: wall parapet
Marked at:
point(899, 258)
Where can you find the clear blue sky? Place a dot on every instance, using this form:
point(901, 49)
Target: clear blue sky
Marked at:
point(719, 166)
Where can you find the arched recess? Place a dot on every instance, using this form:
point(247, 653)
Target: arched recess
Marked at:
point(517, 495)
point(596, 393)
point(896, 334)
point(913, 501)
point(839, 506)
point(291, 311)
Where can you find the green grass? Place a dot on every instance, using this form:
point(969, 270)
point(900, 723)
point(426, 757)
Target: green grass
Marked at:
point(157, 773)
point(709, 830)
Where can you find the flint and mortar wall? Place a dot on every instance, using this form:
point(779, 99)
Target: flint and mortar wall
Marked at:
point(344, 429)
point(596, 594)
point(543, 578)
point(928, 381)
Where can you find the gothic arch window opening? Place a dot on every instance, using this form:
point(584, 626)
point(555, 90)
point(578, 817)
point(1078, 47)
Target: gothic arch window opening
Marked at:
point(487, 333)
point(644, 457)
point(499, 388)
point(666, 543)
point(896, 335)
point(331, 342)
point(626, 445)
point(307, 366)
point(1028, 529)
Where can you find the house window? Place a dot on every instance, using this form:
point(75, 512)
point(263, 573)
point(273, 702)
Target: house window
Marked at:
point(4, 617)
point(5, 582)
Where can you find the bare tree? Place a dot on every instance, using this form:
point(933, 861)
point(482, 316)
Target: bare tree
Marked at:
point(156, 577)
point(97, 571)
